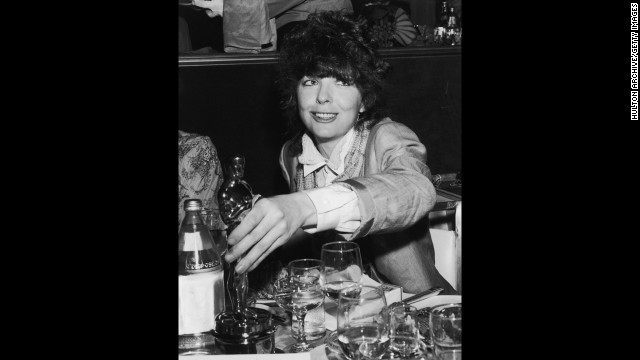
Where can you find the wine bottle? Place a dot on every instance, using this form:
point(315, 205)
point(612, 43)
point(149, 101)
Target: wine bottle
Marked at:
point(444, 16)
point(452, 27)
point(441, 23)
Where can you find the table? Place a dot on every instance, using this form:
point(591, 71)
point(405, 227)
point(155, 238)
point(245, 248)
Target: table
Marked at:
point(283, 336)
point(320, 351)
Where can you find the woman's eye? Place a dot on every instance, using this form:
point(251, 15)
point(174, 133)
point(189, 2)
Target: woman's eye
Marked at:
point(342, 83)
point(309, 82)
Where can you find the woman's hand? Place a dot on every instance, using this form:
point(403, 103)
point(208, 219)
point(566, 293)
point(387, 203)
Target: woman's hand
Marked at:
point(269, 225)
point(213, 7)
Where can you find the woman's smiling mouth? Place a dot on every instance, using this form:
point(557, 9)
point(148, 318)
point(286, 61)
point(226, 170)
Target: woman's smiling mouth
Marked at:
point(323, 116)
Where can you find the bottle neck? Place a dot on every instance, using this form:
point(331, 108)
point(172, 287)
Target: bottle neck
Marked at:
point(192, 217)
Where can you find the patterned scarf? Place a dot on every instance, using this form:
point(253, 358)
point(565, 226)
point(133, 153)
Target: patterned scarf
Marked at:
point(353, 162)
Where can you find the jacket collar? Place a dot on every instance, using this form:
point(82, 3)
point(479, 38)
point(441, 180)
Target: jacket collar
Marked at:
point(312, 160)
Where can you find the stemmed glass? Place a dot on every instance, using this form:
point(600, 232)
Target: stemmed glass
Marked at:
point(342, 267)
point(363, 323)
point(298, 294)
point(342, 272)
point(314, 322)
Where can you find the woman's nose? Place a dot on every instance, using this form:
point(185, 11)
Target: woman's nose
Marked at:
point(324, 94)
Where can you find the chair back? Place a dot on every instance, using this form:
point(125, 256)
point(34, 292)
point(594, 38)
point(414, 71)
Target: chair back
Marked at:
point(448, 250)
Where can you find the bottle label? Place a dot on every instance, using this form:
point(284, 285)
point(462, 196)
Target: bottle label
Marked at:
point(203, 266)
point(193, 242)
point(200, 299)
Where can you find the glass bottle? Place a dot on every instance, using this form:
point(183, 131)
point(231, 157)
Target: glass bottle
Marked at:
point(200, 283)
point(452, 19)
point(444, 16)
point(235, 199)
point(452, 27)
point(441, 24)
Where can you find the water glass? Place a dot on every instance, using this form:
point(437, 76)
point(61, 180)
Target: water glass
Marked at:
point(404, 331)
point(219, 236)
point(423, 326)
point(298, 294)
point(363, 323)
point(314, 321)
point(343, 266)
point(342, 271)
point(445, 324)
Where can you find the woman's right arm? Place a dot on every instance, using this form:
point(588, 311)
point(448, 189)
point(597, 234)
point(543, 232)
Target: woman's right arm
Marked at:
point(397, 192)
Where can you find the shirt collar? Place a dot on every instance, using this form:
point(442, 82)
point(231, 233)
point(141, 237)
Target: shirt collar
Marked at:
point(313, 160)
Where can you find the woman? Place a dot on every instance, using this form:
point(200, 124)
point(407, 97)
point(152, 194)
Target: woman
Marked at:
point(352, 173)
point(199, 174)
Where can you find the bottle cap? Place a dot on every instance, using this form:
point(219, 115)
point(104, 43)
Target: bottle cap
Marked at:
point(192, 205)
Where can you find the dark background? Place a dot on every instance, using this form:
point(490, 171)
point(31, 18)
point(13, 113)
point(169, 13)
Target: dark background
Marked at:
point(236, 105)
point(90, 118)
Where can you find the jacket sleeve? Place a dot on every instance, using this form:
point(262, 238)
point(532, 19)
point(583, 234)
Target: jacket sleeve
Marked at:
point(395, 191)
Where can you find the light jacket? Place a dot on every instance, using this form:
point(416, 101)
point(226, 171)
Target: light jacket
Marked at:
point(395, 195)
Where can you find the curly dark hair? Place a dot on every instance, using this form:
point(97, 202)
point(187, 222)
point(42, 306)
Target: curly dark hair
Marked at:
point(330, 44)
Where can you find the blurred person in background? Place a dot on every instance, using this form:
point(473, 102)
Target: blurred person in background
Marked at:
point(199, 174)
point(285, 14)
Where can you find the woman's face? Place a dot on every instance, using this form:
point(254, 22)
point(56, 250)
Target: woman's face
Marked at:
point(328, 107)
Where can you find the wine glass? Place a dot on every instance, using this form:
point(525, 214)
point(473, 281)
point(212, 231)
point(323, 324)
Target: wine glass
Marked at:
point(342, 267)
point(342, 271)
point(314, 321)
point(363, 323)
point(298, 294)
